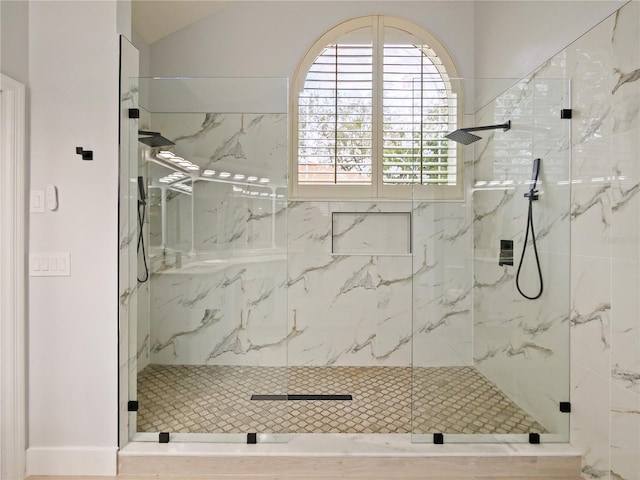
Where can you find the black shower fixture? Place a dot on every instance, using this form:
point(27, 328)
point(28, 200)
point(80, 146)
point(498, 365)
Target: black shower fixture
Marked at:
point(142, 210)
point(531, 196)
point(463, 136)
point(153, 139)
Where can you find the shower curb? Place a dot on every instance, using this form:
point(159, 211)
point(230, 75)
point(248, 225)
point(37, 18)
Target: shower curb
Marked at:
point(362, 467)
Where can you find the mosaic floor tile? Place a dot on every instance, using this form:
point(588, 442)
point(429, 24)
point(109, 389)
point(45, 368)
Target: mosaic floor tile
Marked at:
point(217, 399)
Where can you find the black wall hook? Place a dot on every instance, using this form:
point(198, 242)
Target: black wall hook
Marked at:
point(86, 154)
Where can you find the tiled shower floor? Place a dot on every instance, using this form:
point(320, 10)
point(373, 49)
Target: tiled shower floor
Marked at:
point(193, 398)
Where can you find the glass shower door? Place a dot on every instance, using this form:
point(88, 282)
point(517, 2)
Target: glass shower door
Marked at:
point(490, 365)
point(209, 180)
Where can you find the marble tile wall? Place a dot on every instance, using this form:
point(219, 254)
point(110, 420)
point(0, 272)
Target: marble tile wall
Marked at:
point(257, 271)
point(240, 306)
point(605, 315)
point(349, 309)
point(442, 284)
point(366, 309)
point(218, 287)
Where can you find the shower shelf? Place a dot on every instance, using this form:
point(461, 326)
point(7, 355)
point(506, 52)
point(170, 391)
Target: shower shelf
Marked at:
point(487, 259)
point(209, 263)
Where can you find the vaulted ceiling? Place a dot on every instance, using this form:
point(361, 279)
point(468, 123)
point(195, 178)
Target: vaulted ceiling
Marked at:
point(154, 19)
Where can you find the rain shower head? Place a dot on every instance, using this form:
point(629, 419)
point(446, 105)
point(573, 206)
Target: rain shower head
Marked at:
point(463, 136)
point(153, 139)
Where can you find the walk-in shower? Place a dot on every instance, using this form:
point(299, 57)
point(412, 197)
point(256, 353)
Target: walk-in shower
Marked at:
point(267, 316)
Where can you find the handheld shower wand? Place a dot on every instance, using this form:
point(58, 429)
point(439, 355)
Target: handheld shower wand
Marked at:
point(142, 196)
point(534, 180)
point(532, 195)
point(142, 208)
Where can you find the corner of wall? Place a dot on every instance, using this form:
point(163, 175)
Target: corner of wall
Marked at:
point(124, 18)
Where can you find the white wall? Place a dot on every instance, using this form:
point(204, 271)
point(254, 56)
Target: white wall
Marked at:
point(144, 49)
point(15, 39)
point(270, 38)
point(73, 327)
point(487, 39)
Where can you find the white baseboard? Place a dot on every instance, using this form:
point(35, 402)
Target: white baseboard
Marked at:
point(72, 461)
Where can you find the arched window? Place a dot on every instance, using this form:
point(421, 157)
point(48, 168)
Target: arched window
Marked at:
point(373, 100)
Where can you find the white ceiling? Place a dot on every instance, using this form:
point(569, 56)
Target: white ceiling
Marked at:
point(154, 19)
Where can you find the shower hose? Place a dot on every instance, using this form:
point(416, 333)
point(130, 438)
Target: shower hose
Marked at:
point(141, 214)
point(532, 196)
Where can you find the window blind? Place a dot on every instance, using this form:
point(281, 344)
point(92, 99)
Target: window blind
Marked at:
point(335, 121)
point(417, 110)
point(356, 124)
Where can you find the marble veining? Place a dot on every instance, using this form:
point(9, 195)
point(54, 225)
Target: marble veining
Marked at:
point(126, 238)
point(200, 295)
point(357, 220)
point(210, 317)
point(630, 378)
point(625, 78)
point(598, 198)
point(622, 196)
point(143, 347)
point(237, 343)
point(600, 314)
point(211, 121)
point(301, 277)
point(506, 277)
point(524, 349)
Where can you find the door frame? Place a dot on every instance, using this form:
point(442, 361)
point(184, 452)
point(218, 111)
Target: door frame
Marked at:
point(13, 281)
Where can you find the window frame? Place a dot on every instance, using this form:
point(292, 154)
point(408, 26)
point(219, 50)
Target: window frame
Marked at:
point(377, 190)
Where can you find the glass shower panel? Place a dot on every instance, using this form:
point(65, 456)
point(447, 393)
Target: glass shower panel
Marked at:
point(169, 210)
point(212, 317)
point(129, 233)
point(490, 365)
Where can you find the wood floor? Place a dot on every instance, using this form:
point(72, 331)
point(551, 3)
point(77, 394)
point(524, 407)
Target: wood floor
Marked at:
point(163, 477)
point(558, 466)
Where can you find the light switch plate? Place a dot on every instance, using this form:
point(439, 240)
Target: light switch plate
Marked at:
point(36, 201)
point(51, 197)
point(50, 264)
